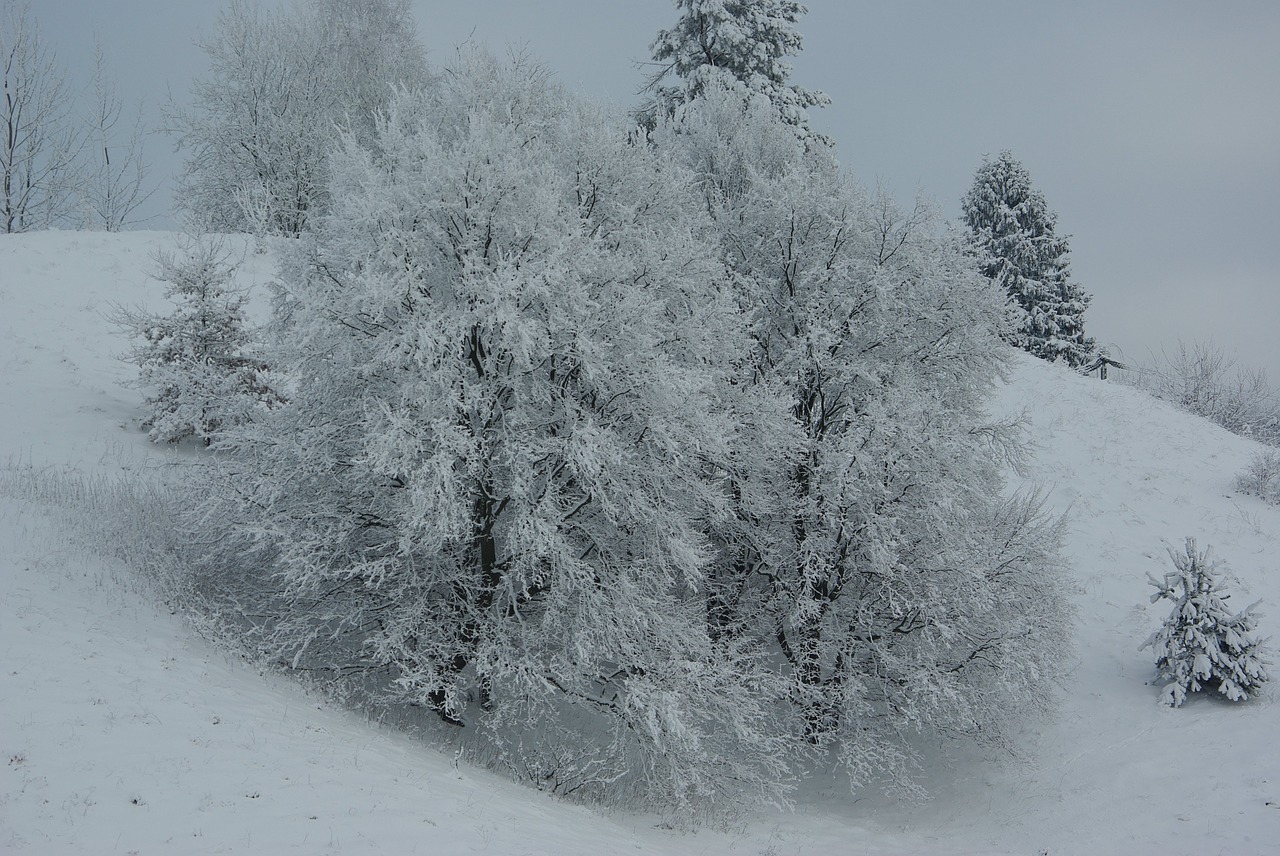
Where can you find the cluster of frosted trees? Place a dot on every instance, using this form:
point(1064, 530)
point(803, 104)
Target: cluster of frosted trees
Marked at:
point(281, 87)
point(654, 459)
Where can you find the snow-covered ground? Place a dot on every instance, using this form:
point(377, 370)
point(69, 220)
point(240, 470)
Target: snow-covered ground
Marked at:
point(123, 731)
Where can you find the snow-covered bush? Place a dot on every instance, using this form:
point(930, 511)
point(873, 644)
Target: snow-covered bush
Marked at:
point(197, 363)
point(1262, 477)
point(899, 587)
point(1204, 644)
point(1202, 378)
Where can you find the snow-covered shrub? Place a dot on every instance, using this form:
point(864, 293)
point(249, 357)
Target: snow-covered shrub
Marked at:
point(1202, 378)
point(1262, 477)
point(197, 363)
point(1204, 644)
point(898, 585)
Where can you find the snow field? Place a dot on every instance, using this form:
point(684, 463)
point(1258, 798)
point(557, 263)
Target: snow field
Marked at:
point(124, 731)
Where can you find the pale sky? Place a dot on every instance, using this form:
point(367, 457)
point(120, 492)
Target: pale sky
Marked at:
point(1152, 127)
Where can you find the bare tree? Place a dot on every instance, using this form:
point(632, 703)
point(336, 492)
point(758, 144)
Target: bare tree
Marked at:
point(40, 139)
point(113, 183)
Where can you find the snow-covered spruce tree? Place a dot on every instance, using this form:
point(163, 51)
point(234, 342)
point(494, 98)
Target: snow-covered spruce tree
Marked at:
point(1203, 644)
point(506, 446)
point(281, 83)
point(197, 362)
point(1015, 239)
point(900, 586)
point(737, 44)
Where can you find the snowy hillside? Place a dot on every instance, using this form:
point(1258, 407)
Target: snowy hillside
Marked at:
point(123, 731)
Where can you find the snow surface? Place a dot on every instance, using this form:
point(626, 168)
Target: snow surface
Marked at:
point(122, 730)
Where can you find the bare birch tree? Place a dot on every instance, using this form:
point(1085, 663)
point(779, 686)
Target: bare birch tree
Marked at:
point(40, 138)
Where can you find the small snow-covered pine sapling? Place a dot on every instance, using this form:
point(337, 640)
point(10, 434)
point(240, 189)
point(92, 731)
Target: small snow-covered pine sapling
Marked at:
point(197, 361)
point(1203, 644)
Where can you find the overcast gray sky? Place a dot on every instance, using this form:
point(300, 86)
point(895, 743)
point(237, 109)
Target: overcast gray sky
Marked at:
point(1151, 126)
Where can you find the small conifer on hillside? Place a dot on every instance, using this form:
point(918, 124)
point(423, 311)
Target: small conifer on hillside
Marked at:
point(1203, 644)
point(196, 362)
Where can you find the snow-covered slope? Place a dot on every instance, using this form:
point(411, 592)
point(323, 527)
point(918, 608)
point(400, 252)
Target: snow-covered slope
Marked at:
point(123, 731)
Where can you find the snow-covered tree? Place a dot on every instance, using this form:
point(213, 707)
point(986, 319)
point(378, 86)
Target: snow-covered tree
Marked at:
point(508, 443)
point(1204, 644)
point(1015, 239)
point(662, 467)
point(894, 580)
point(739, 44)
point(40, 137)
point(197, 362)
point(265, 118)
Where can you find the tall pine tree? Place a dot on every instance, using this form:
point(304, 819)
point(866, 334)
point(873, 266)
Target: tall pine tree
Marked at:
point(1014, 235)
point(739, 44)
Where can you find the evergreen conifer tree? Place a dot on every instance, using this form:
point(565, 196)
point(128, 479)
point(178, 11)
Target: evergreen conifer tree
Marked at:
point(1203, 644)
point(196, 360)
point(1015, 238)
point(740, 44)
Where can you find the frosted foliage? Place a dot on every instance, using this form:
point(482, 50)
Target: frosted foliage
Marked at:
point(661, 469)
point(264, 119)
point(1018, 248)
point(196, 362)
point(1262, 477)
point(739, 44)
point(507, 444)
point(1204, 379)
point(902, 591)
point(1203, 644)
